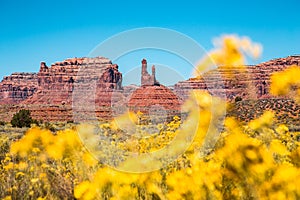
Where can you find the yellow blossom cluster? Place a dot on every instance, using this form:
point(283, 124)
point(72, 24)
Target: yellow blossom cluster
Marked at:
point(43, 165)
point(229, 50)
point(257, 160)
point(286, 82)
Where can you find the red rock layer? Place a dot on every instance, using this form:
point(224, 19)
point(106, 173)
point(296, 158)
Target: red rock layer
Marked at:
point(249, 82)
point(17, 87)
point(50, 95)
point(155, 99)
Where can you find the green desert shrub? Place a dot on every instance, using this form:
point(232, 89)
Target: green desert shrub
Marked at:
point(22, 119)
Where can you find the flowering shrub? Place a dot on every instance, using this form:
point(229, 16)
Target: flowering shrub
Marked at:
point(257, 160)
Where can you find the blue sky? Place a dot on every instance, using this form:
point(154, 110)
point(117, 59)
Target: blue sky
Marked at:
point(35, 31)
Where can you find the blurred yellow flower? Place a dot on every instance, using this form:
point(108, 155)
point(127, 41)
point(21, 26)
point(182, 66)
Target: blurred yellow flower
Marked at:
point(264, 120)
point(283, 81)
point(20, 174)
point(80, 189)
point(278, 148)
point(229, 51)
point(34, 180)
point(89, 159)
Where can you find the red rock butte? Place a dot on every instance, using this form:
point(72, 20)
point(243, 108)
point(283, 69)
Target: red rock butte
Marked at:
point(49, 94)
point(153, 98)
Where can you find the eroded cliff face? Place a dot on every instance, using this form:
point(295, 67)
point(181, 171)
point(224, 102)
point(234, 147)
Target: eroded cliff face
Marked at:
point(92, 87)
point(249, 82)
point(17, 87)
point(49, 93)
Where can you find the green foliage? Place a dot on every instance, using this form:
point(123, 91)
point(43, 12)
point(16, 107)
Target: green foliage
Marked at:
point(22, 119)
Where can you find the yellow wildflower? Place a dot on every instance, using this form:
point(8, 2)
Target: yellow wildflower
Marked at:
point(9, 166)
point(81, 189)
point(281, 82)
point(7, 198)
point(229, 51)
point(278, 148)
point(264, 120)
point(34, 180)
point(89, 160)
point(19, 174)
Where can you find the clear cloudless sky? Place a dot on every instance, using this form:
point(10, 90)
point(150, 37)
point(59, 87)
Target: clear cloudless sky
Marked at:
point(34, 31)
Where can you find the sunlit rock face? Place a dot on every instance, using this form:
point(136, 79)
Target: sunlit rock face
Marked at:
point(247, 82)
point(49, 93)
point(17, 87)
